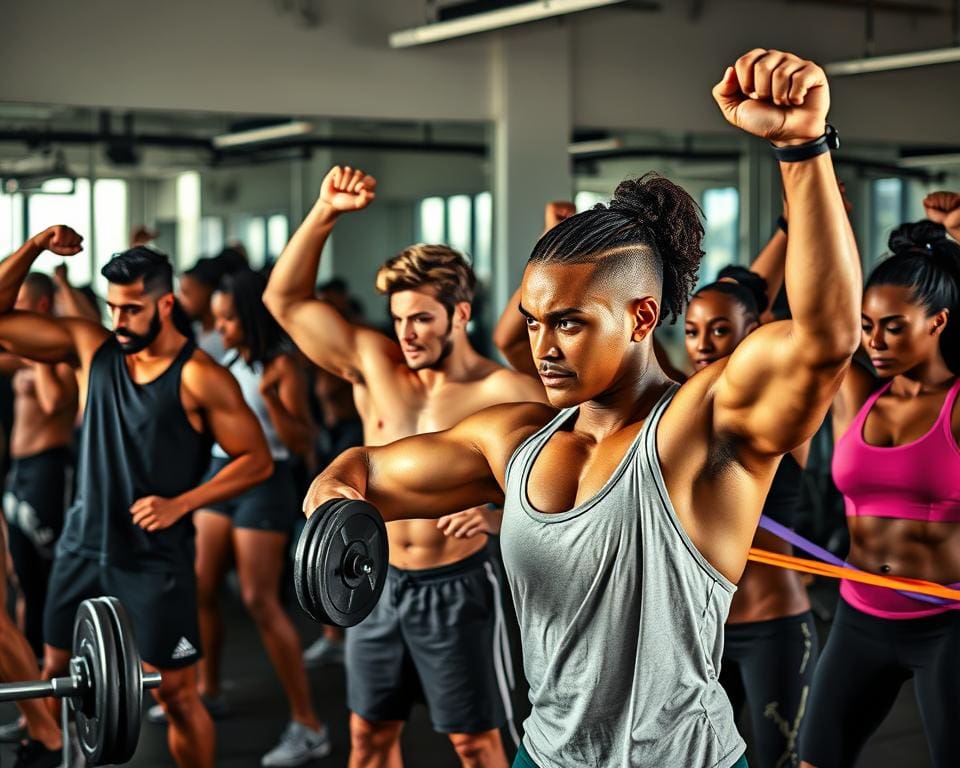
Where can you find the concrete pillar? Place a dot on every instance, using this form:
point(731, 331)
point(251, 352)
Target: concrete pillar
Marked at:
point(532, 96)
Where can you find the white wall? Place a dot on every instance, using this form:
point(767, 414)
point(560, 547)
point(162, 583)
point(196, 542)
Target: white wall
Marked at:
point(629, 68)
point(645, 70)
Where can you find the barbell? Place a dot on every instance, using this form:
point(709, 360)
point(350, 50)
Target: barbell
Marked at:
point(340, 564)
point(104, 690)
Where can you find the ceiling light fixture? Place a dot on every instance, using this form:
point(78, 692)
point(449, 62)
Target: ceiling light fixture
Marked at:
point(894, 61)
point(498, 19)
point(261, 135)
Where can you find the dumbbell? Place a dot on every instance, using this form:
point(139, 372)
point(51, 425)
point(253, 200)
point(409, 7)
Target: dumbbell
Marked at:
point(104, 690)
point(341, 562)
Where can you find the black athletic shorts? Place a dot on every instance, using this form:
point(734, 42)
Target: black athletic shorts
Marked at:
point(865, 662)
point(34, 502)
point(436, 635)
point(36, 496)
point(768, 667)
point(270, 506)
point(162, 607)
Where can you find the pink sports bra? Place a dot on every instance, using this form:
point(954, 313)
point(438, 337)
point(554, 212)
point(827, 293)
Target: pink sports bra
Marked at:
point(916, 481)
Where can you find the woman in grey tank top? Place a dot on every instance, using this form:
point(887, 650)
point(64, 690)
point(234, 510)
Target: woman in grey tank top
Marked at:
point(630, 507)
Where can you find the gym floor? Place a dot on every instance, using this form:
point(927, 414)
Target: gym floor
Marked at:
point(258, 713)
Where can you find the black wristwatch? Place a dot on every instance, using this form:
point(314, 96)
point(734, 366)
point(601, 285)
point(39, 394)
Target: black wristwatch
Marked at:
point(829, 140)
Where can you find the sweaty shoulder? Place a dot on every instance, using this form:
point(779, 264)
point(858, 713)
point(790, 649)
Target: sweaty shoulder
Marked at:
point(513, 387)
point(499, 430)
point(207, 380)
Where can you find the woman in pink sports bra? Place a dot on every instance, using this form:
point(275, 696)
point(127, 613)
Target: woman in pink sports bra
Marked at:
point(897, 462)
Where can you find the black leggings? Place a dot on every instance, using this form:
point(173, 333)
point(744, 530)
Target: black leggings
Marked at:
point(865, 662)
point(768, 666)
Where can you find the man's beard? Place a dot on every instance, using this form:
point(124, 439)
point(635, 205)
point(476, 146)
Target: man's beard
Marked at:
point(446, 347)
point(137, 342)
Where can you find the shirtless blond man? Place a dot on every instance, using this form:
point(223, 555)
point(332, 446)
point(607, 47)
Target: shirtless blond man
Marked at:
point(437, 625)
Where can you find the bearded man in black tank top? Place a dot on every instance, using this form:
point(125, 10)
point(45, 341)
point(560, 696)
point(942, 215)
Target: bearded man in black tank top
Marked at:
point(153, 404)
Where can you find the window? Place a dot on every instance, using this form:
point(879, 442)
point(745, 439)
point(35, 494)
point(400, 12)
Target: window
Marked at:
point(74, 211)
point(188, 216)
point(721, 211)
point(483, 235)
point(211, 236)
point(11, 223)
point(278, 232)
point(584, 201)
point(464, 222)
point(432, 221)
point(887, 211)
point(460, 223)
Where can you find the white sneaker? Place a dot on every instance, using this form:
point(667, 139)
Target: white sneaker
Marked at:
point(323, 651)
point(298, 745)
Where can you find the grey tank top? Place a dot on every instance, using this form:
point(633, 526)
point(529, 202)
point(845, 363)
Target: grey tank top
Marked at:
point(248, 377)
point(621, 620)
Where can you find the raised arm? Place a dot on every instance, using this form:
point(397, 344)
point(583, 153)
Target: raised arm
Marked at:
point(69, 301)
point(771, 261)
point(318, 329)
point(433, 474)
point(776, 387)
point(944, 208)
point(36, 336)
point(284, 391)
point(510, 335)
point(214, 391)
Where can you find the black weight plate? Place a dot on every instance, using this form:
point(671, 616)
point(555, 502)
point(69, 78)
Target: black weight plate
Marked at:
point(354, 527)
point(302, 569)
point(314, 554)
point(131, 683)
point(96, 712)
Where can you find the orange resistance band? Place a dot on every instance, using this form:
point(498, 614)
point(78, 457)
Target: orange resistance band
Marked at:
point(819, 568)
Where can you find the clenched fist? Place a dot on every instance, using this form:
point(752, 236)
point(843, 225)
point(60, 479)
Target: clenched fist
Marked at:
point(60, 239)
point(347, 189)
point(944, 208)
point(775, 95)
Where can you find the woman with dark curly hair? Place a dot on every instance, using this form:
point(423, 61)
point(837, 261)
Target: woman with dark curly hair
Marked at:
point(897, 463)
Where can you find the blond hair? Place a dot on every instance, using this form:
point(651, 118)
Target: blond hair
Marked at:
point(436, 266)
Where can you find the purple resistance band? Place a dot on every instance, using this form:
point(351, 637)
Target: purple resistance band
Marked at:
point(791, 537)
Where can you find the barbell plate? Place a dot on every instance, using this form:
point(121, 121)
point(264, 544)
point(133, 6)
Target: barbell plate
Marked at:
point(96, 711)
point(314, 555)
point(130, 688)
point(339, 531)
point(303, 558)
point(353, 528)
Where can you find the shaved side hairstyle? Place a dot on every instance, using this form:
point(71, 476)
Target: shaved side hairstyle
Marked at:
point(651, 229)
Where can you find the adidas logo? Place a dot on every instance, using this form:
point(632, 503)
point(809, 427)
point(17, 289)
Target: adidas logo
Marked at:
point(183, 649)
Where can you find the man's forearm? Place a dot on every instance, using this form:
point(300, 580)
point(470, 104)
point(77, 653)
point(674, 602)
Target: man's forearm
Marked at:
point(242, 473)
point(822, 266)
point(13, 271)
point(347, 476)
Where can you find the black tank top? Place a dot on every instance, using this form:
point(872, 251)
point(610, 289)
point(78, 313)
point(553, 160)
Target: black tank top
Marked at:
point(783, 499)
point(135, 441)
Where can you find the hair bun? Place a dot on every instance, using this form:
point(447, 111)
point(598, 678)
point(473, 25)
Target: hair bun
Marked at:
point(910, 236)
point(647, 199)
point(753, 282)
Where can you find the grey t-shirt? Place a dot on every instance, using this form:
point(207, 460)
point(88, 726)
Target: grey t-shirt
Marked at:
point(621, 621)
